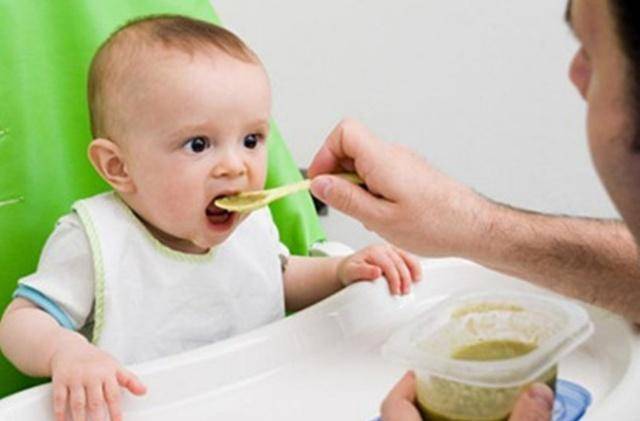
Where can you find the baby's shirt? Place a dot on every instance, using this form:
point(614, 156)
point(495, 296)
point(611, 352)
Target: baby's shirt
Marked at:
point(102, 273)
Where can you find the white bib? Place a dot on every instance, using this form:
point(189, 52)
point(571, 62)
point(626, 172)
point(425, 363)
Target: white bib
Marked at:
point(152, 301)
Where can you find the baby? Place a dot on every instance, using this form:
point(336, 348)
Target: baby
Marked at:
point(180, 114)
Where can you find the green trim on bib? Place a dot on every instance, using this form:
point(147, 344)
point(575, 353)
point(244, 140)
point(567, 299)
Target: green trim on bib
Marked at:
point(98, 267)
point(158, 246)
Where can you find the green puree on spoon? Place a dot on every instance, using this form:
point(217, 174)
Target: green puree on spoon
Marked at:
point(252, 200)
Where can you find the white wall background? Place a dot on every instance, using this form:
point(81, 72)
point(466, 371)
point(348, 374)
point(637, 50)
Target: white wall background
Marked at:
point(478, 87)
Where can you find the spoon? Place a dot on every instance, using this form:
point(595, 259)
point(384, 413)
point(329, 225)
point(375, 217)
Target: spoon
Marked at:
point(252, 200)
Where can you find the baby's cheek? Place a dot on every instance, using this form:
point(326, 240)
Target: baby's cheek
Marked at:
point(259, 174)
point(177, 204)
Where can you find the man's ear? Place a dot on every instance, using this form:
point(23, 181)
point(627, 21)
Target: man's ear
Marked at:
point(107, 159)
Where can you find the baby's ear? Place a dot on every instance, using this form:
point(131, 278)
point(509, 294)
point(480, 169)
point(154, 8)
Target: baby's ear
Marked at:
point(107, 159)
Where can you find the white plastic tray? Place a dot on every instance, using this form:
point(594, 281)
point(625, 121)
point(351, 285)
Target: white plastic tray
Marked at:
point(324, 363)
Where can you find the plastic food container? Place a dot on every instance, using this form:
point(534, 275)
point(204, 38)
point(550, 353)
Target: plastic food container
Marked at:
point(474, 354)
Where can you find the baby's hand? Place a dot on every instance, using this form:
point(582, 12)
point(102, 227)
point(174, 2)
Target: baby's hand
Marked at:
point(399, 267)
point(89, 379)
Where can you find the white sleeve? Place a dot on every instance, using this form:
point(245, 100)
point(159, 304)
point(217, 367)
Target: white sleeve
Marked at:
point(275, 235)
point(64, 280)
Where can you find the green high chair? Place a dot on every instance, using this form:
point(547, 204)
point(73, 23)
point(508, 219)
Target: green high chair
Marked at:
point(45, 51)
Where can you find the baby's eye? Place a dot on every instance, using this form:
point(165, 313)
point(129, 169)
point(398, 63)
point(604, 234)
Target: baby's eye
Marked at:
point(197, 144)
point(252, 140)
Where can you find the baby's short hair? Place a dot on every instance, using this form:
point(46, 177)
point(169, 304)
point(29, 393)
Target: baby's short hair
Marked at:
point(113, 60)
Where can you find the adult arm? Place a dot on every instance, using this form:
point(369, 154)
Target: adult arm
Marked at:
point(415, 206)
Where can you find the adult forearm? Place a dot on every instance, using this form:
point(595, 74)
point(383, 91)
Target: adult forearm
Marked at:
point(593, 260)
point(415, 206)
point(29, 337)
point(308, 280)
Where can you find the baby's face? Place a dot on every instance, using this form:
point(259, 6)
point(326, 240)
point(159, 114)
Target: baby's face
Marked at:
point(195, 131)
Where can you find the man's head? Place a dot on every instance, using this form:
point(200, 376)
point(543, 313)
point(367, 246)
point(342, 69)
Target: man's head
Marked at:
point(180, 113)
point(606, 72)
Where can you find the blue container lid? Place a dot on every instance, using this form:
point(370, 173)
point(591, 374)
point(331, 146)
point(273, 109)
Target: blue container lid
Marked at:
point(572, 401)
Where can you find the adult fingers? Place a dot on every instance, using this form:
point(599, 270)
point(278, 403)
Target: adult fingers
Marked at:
point(347, 144)
point(349, 198)
point(535, 404)
point(405, 388)
point(399, 405)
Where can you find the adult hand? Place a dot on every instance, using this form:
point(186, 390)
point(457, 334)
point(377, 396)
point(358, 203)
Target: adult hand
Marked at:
point(535, 404)
point(407, 201)
point(400, 403)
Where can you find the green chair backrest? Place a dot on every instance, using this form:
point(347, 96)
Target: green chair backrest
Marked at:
point(45, 50)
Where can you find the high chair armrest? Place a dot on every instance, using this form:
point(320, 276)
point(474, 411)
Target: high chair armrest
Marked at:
point(329, 249)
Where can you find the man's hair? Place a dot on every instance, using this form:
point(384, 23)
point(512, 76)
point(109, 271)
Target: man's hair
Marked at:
point(626, 14)
point(117, 56)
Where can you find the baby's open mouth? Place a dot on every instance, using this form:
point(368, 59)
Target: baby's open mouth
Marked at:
point(217, 215)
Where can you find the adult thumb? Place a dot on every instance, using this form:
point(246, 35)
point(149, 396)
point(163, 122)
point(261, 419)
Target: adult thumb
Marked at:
point(346, 197)
point(536, 404)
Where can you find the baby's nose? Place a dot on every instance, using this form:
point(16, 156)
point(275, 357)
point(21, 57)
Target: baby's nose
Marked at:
point(230, 165)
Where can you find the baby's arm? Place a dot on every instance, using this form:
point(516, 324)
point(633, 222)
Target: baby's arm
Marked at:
point(82, 374)
point(308, 280)
point(29, 337)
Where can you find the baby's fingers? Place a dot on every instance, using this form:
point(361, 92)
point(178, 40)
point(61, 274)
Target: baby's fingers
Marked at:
point(129, 381)
point(112, 396)
point(78, 402)
point(60, 394)
point(95, 402)
point(403, 271)
point(384, 261)
point(412, 263)
point(364, 271)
